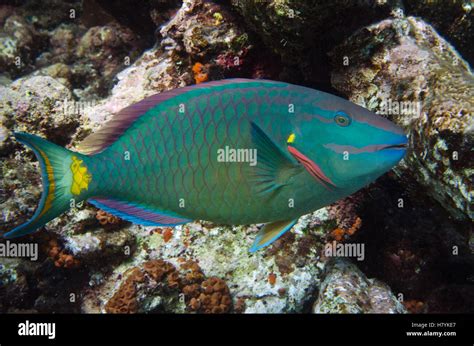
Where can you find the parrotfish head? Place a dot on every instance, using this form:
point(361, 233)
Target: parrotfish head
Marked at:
point(344, 145)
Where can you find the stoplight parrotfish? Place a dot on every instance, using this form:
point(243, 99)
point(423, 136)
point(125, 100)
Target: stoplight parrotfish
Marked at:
point(234, 151)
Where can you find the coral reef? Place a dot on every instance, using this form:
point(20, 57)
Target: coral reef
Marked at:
point(50, 284)
point(73, 73)
point(227, 275)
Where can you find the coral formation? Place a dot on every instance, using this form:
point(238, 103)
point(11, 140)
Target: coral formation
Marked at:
point(167, 234)
point(215, 297)
point(105, 218)
point(414, 306)
point(272, 278)
point(205, 295)
point(199, 73)
point(125, 300)
point(60, 257)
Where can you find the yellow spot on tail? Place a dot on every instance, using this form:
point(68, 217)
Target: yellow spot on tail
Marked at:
point(52, 185)
point(80, 176)
point(291, 138)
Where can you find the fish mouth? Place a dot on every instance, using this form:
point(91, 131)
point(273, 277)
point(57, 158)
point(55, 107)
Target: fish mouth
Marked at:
point(401, 146)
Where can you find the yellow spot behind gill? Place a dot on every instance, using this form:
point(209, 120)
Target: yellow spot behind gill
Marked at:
point(52, 185)
point(80, 176)
point(291, 138)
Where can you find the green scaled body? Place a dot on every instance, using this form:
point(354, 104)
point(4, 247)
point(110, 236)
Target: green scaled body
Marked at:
point(169, 160)
point(232, 152)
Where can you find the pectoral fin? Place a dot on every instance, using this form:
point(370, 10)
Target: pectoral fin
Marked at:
point(274, 167)
point(271, 232)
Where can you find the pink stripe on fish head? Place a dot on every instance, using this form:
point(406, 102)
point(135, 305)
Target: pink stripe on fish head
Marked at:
point(311, 167)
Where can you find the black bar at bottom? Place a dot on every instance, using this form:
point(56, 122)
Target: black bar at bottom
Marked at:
point(291, 329)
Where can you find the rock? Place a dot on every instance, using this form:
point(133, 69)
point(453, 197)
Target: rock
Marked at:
point(345, 289)
point(302, 32)
point(144, 21)
point(203, 29)
point(31, 104)
point(435, 107)
point(32, 39)
point(99, 247)
point(14, 287)
point(63, 41)
point(194, 30)
point(94, 57)
point(48, 14)
point(19, 42)
point(416, 238)
point(451, 297)
point(60, 72)
point(108, 48)
point(452, 19)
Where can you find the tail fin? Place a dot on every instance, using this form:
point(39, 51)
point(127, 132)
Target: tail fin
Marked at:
point(64, 177)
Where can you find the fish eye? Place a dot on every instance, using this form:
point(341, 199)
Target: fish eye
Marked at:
point(342, 119)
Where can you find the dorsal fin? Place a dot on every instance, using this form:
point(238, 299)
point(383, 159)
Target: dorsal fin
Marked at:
point(121, 121)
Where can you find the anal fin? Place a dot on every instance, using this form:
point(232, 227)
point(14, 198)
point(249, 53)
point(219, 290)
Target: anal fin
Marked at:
point(137, 213)
point(271, 232)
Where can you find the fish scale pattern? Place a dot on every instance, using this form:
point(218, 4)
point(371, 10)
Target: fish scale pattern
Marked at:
point(167, 160)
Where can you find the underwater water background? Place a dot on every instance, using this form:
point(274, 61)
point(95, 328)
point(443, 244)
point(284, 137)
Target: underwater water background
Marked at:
point(406, 240)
